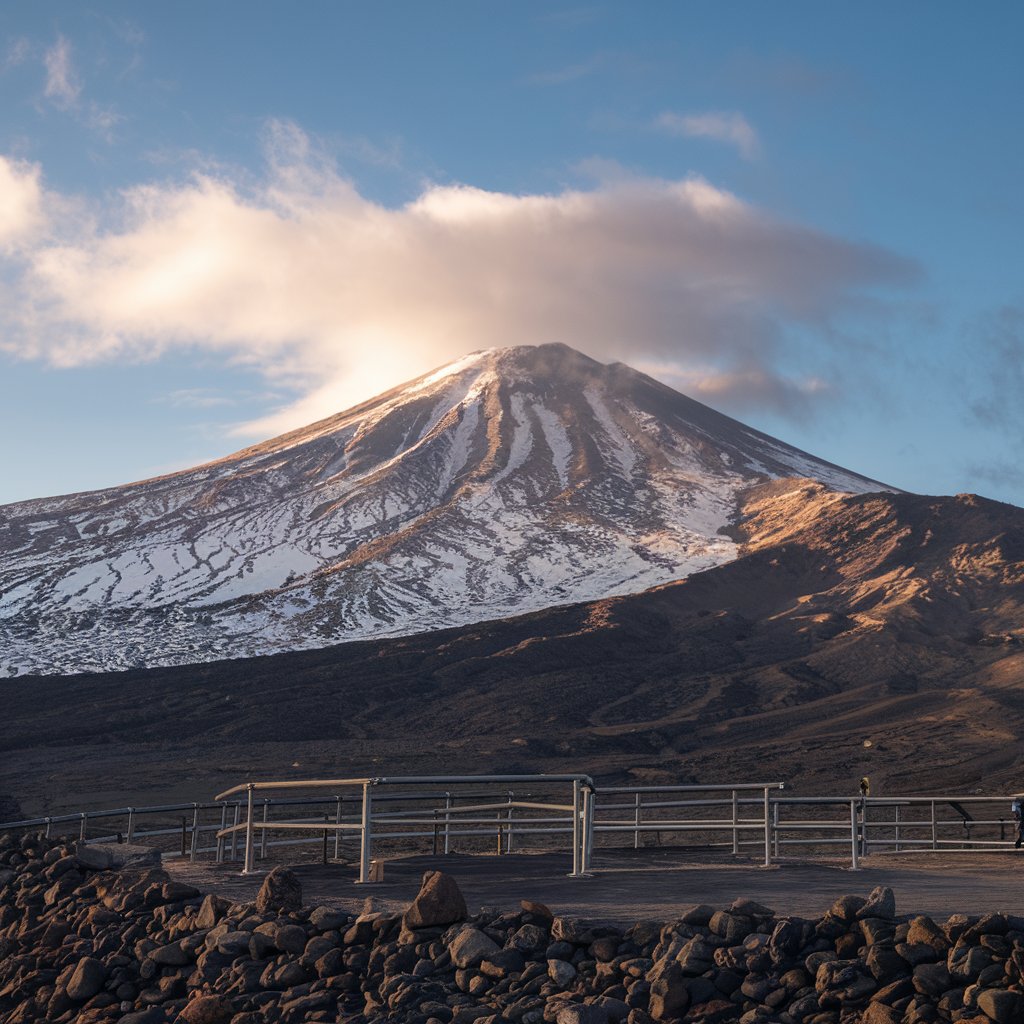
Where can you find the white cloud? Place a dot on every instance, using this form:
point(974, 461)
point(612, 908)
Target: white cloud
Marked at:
point(62, 84)
point(732, 128)
point(338, 297)
point(21, 203)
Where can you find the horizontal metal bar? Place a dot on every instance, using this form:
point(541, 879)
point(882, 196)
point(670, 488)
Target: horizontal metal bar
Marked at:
point(693, 788)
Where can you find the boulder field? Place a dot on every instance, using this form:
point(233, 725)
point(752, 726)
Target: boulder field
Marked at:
point(85, 939)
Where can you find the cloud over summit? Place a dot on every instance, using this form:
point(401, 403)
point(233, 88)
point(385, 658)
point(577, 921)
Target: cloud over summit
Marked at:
point(338, 296)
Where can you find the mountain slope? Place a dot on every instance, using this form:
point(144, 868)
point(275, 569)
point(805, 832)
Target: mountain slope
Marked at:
point(509, 481)
point(889, 619)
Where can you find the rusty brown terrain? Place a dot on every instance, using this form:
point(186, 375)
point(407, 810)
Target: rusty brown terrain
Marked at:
point(878, 634)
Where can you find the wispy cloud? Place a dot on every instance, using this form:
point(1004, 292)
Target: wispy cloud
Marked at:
point(62, 83)
point(338, 297)
point(620, 62)
point(729, 127)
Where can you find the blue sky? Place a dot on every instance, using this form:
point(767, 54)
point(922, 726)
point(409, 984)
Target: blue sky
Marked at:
point(218, 221)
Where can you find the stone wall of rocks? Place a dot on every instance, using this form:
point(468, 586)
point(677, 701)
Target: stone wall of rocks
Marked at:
point(82, 941)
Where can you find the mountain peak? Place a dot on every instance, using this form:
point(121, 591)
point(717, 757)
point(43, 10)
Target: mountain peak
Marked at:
point(510, 480)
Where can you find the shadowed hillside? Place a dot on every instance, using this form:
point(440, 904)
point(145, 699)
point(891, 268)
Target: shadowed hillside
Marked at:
point(889, 619)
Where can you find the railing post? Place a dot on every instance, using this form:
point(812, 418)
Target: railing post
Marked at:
point(897, 828)
point(767, 828)
point(264, 831)
point(588, 826)
point(337, 832)
point(447, 821)
point(366, 835)
point(49, 823)
point(234, 835)
point(508, 827)
point(84, 827)
point(131, 824)
point(935, 830)
point(248, 865)
point(636, 824)
point(195, 834)
point(775, 828)
point(577, 853)
point(854, 840)
point(735, 824)
point(864, 826)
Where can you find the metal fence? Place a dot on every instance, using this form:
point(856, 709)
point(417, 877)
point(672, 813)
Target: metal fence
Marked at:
point(512, 812)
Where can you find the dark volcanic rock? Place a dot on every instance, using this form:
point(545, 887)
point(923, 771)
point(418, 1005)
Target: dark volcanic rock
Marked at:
point(281, 890)
point(439, 902)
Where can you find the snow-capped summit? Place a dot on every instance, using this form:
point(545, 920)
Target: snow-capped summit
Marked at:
point(508, 481)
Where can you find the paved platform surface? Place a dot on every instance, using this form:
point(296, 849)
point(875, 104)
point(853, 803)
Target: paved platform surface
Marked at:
point(631, 885)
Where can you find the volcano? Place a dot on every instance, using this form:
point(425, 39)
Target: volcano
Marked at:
point(512, 480)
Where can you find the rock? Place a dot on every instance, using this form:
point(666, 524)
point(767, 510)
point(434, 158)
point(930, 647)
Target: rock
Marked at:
point(206, 1010)
point(281, 890)
point(932, 979)
point(924, 930)
point(211, 910)
point(233, 943)
point(846, 907)
point(113, 856)
point(470, 946)
point(1001, 1005)
point(528, 939)
point(87, 979)
point(290, 938)
point(669, 996)
point(700, 914)
point(538, 910)
point(581, 1013)
point(439, 902)
point(323, 919)
point(731, 927)
point(171, 955)
point(561, 972)
point(572, 929)
point(750, 908)
point(881, 903)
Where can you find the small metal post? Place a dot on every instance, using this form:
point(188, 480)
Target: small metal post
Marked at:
point(326, 819)
point(501, 835)
point(49, 823)
point(337, 832)
point(577, 853)
point(447, 821)
point(195, 834)
point(220, 839)
point(248, 866)
point(437, 830)
point(184, 835)
point(775, 828)
point(854, 842)
point(234, 835)
point(897, 828)
point(588, 827)
point(935, 829)
point(84, 827)
point(508, 827)
point(735, 823)
point(264, 831)
point(767, 829)
point(366, 835)
point(864, 826)
point(131, 825)
point(636, 823)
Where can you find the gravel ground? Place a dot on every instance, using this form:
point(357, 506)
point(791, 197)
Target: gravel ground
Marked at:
point(631, 885)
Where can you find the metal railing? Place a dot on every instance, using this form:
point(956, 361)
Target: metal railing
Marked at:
point(409, 825)
point(737, 818)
